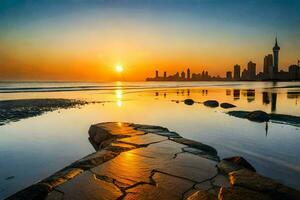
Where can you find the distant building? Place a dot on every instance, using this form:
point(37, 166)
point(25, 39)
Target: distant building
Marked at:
point(251, 70)
point(276, 49)
point(294, 72)
point(188, 74)
point(244, 75)
point(229, 75)
point(237, 72)
point(182, 75)
point(268, 64)
point(156, 74)
point(165, 75)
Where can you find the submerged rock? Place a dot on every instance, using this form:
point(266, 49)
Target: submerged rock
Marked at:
point(211, 103)
point(258, 116)
point(231, 164)
point(189, 102)
point(227, 105)
point(238, 160)
point(261, 116)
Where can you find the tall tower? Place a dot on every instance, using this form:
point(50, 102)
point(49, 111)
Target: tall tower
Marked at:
point(237, 72)
point(276, 49)
point(188, 73)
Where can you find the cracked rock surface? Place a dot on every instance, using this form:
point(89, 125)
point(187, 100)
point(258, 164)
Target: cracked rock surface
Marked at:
point(134, 161)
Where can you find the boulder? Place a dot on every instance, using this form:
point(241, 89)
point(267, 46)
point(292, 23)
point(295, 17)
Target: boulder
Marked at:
point(239, 193)
point(238, 160)
point(258, 116)
point(189, 102)
point(251, 180)
point(211, 103)
point(227, 105)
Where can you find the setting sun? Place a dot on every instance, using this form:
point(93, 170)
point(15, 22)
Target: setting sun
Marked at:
point(119, 68)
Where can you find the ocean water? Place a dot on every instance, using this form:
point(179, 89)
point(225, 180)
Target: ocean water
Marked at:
point(34, 148)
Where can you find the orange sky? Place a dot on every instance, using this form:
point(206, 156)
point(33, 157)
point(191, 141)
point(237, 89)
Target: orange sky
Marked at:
point(86, 45)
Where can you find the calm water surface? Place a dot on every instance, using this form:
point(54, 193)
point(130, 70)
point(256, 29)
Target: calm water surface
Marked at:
point(34, 148)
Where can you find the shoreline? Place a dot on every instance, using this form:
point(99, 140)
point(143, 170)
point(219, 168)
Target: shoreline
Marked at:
point(134, 160)
point(15, 110)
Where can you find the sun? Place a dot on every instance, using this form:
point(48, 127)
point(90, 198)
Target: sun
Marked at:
point(119, 68)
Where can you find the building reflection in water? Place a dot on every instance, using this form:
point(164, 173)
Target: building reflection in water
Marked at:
point(236, 94)
point(228, 92)
point(266, 98)
point(250, 95)
point(274, 101)
point(293, 95)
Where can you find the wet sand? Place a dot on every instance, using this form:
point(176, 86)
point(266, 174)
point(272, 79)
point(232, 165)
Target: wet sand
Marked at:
point(15, 110)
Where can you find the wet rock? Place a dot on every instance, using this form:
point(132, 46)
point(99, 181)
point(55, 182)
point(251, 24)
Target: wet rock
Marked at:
point(198, 145)
point(143, 140)
point(251, 180)
point(94, 160)
point(258, 116)
point(15, 110)
point(189, 102)
point(35, 192)
point(149, 128)
point(191, 167)
point(211, 103)
point(62, 176)
point(220, 181)
point(238, 160)
point(239, 193)
point(227, 105)
point(226, 167)
point(87, 186)
point(166, 187)
point(202, 195)
point(55, 195)
point(284, 192)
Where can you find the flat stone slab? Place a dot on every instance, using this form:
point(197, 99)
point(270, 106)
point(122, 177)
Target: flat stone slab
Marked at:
point(163, 187)
point(134, 161)
point(87, 186)
point(143, 140)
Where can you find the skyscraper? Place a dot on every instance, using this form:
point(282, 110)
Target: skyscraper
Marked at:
point(251, 70)
point(237, 72)
point(229, 75)
point(276, 49)
point(268, 64)
point(165, 75)
point(183, 75)
point(156, 74)
point(188, 73)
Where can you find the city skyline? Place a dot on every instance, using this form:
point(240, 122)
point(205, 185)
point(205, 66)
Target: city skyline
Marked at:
point(79, 40)
point(271, 71)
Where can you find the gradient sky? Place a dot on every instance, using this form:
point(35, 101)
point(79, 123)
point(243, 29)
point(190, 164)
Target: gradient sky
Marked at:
point(85, 40)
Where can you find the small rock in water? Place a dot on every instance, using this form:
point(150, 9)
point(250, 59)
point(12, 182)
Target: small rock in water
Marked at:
point(189, 101)
point(211, 103)
point(10, 177)
point(227, 105)
point(258, 116)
